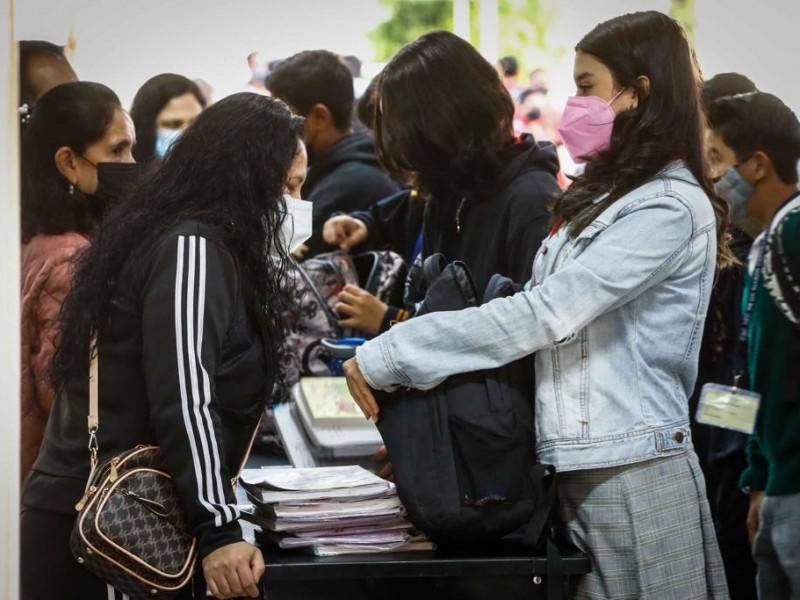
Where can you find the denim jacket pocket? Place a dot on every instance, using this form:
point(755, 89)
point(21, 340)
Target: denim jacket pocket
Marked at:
point(571, 386)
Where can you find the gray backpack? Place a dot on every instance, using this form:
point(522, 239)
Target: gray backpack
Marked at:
point(314, 287)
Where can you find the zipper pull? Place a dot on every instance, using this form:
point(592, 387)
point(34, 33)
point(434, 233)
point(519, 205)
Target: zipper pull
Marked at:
point(151, 505)
point(114, 475)
point(85, 498)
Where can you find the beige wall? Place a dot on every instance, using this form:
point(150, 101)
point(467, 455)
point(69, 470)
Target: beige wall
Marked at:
point(9, 308)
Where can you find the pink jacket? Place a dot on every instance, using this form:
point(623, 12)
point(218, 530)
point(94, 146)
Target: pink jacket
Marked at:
point(46, 278)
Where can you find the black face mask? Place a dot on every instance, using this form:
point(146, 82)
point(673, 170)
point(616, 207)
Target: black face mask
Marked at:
point(114, 180)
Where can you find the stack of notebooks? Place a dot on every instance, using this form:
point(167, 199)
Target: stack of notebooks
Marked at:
point(329, 511)
point(323, 426)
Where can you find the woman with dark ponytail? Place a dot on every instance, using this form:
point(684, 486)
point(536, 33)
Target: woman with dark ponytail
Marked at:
point(76, 157)
point(614, 313)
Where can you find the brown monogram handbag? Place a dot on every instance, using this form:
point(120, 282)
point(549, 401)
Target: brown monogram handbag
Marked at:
point(132, 531)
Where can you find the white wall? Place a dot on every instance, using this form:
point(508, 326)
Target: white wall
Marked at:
point(9, 315)
point(757, 39)
point(123, 42)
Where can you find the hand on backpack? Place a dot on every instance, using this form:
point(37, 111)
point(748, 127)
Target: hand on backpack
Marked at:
point(360, 390)
point(344, 232)
point(234, 570)
point(363, 310)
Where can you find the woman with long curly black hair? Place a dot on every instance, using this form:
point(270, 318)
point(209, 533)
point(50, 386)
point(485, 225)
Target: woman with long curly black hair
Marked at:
point(183, 287)
point(614, 313)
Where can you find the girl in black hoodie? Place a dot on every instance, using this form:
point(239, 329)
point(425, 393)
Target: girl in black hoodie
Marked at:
point(444, 121)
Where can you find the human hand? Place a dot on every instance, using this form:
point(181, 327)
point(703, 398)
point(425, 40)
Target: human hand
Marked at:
point(234, 570)
point(344, 232)
point(382, 456)
point(364, 311)
point(360, 390)
point(754, 514)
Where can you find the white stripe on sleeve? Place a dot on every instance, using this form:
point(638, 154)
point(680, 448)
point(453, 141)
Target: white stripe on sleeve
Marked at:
point(187, 417)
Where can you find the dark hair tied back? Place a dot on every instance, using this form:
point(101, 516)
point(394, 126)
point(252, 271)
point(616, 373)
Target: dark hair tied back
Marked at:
point(228, 170)
point(74, 115)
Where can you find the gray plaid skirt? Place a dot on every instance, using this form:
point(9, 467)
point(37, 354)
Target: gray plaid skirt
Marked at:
point(647, 528)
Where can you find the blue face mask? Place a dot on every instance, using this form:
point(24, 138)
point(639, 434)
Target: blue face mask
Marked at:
point(164, 140)
point(259, 74)
point(736, 191)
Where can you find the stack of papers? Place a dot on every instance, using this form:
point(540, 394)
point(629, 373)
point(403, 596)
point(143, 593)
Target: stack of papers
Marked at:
point(329, 511)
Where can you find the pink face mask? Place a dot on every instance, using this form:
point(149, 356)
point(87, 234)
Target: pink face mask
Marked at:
point(586, 126)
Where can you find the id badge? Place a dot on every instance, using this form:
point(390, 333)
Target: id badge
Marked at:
point(728, 407)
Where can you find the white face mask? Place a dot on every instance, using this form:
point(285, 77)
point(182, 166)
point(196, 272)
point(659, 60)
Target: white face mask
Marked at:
point(297, 223)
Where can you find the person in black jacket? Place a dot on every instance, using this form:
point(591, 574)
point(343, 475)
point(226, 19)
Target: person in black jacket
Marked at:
point(344, 174)
point(488, 192)
point(394, 223)
point(182, 285)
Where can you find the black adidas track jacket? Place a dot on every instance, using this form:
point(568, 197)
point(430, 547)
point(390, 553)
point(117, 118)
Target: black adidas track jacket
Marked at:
point(181, 366)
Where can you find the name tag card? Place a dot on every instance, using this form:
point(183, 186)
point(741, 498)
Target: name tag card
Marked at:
point(728, 407)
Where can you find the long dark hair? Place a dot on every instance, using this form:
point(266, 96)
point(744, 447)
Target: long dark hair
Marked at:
point(228, 170)
point(442, 116)
point(665, 125)
point(74, 115)
point(149, 101)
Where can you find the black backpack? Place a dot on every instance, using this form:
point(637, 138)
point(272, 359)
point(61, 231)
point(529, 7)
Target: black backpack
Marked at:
point(464, 452)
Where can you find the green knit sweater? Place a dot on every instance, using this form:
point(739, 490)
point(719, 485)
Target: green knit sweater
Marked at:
point(773, 451)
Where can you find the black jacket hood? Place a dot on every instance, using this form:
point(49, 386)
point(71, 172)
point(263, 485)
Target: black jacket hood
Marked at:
point(356, 147)
point(526, 153)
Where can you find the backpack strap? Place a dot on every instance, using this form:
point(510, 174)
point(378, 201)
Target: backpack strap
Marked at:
point(432, 268)
point(93, 419)
point(538, 520)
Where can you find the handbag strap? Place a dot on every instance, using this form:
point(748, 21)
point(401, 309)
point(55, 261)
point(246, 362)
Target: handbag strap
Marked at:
point(93, 420)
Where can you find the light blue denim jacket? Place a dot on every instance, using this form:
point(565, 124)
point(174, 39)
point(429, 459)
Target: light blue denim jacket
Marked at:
point(615, 317)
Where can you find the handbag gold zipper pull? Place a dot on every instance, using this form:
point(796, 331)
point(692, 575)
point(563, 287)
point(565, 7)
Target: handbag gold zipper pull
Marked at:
point(155, 507)
point(85, 498)
point(113, 476)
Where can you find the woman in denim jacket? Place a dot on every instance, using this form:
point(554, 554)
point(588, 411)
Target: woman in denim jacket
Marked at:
point(614, 312)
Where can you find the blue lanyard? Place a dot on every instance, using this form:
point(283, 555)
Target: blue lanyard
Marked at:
point(417, 250)
point(740, 355)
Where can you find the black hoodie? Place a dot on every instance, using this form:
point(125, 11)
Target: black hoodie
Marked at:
point(345, 178)
point(500, 231)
